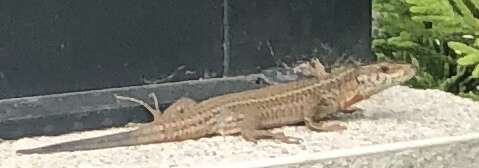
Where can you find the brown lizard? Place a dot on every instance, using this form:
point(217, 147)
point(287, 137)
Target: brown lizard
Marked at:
point(250, 113)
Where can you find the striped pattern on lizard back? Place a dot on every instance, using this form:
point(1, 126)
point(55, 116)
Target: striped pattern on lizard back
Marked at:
point(276, 105)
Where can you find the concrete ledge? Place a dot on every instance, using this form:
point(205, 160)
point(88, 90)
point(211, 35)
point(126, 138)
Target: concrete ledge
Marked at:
point(400, 127)
point(454, 151)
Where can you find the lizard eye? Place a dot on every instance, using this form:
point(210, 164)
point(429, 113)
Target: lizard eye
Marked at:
point(180, 110)
point(384, 69)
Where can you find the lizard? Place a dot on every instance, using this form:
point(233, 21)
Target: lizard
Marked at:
point(251, 113)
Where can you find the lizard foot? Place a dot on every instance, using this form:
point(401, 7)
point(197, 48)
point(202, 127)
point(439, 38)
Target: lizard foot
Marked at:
point(325, 126)
point(313, 68)
point(255, 135)
point(351, 110)
point(148, 107)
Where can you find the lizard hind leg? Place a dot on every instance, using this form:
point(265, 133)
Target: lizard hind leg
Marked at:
point(351, 110)
point(313, 68)
point(250, 131)
point(181, 106)
point(255, 135)
point(154, 111)
point(155, 99)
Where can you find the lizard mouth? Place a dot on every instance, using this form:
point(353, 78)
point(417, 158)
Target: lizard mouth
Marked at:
point(400, 73)
point(409, 73)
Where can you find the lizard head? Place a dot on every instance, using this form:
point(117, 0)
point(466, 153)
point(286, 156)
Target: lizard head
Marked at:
point(376, 77)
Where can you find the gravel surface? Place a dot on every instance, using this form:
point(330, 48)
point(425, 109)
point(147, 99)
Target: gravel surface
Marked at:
point(395, 115)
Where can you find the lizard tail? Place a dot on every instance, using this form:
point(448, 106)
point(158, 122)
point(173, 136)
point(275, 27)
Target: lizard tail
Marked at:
point(143, 135)
point(114, 140)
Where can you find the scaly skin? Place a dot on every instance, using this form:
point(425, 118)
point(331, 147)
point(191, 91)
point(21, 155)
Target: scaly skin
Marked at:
point(251, 112)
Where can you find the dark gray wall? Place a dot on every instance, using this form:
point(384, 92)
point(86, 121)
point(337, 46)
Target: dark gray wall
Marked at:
point(268, 32)
point(56, 46)
point(61, 46)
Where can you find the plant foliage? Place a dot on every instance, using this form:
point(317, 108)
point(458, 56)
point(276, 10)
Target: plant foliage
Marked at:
point(440, 37)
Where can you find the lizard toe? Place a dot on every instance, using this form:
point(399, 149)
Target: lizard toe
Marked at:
point(292, 140)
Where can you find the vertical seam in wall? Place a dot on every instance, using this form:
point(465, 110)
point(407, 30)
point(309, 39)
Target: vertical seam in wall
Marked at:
point(369, 42)
point(226, 38)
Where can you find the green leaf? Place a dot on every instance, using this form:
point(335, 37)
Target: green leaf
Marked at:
point(475, 73)
point(461, 48)
point(471, 95)
point(379, 42)
point(476, 43)
point(470, 59)
point(471, 55)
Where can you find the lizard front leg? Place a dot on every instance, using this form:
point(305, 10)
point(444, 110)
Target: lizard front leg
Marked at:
point(312, 117)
